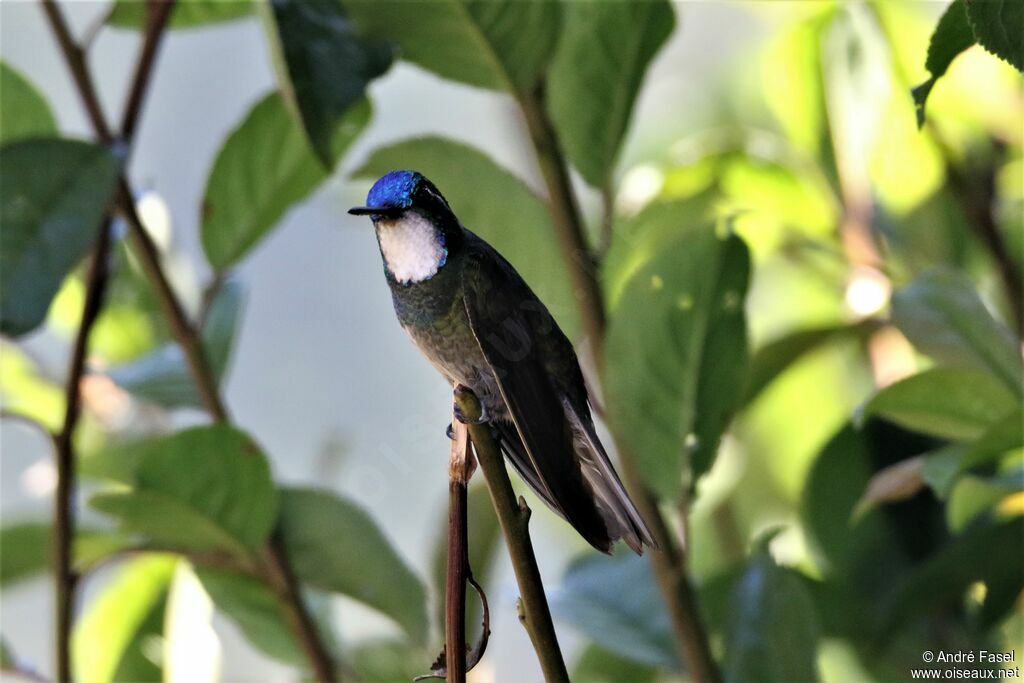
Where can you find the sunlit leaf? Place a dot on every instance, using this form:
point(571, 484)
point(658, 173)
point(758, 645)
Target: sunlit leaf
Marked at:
point(109, 641)
point(954, 403)
point(773, 632)
point(232, 506)
point(677, 353)
point(494, 204)
point(775, 357)
point(254, 608)
point(323, 66)
point(631, 621)
point(1002, 437)
point(163, 377)
point(501, 45)
point(336, 546)
point(998, 25)
point(943, 316)
point(53, 194)
point(24, 112)
point(264, 167)
point(952, 36)
point(602, 56)
point(23, 391)
point(186, 13)
point(973, 496)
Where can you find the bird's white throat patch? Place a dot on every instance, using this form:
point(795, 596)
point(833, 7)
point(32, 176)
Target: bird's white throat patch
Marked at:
point(412, 249)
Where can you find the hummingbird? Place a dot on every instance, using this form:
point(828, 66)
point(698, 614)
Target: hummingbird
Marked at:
point(480, 325)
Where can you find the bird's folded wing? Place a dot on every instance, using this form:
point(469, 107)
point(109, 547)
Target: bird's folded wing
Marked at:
point(497, 304)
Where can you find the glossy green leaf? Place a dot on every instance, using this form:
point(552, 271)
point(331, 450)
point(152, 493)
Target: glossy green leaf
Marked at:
point(597, 71)
point(998, 25)
point(263, 168)
point(676, 355)
point(131, 14)
point(53, 194)
point(629, 620)
point(952, 36)
point(775, 357)
point(483, 540)
point(953, 403)
point(163, 377)
point(773, 629)
point(231, 506)
point(494, 204)
point(24, 112)
point(336, 546)
point(942, 315)
point(502, 45)
point(323, 66)
point(109, 640)
point(254, 609)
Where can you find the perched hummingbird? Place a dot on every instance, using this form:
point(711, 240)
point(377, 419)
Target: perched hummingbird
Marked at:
point(480, 325)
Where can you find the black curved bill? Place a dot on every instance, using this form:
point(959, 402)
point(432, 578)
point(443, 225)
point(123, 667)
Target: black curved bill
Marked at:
point(375, 211)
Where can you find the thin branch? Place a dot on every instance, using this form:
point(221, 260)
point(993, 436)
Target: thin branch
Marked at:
point(75, 59)
point(158, 12)
point(515, 522)
point(65, 577)
point(669, 567)
point(279, 571)
point(566, 216)
point(460, 468)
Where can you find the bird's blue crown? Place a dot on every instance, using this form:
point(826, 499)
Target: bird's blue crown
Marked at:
point(394, 190)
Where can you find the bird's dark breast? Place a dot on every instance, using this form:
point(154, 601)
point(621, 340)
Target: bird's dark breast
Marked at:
point(433, 313)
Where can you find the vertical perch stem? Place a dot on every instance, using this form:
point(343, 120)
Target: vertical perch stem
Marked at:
point(460, 469)
point(514, 518)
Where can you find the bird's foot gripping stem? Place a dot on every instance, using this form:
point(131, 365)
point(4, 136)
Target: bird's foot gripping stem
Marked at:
point(468, 410)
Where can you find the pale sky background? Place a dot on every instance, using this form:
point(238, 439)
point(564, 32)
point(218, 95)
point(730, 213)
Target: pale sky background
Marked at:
point(320, 356)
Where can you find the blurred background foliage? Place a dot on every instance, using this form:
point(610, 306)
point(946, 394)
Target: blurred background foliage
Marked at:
point(813, 344)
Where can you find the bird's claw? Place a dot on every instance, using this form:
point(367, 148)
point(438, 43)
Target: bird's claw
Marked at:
point(450, 431)
point(460, 416)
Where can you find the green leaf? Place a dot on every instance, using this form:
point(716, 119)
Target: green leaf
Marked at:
point(53, 194)
point(108, 642)
point(941, 467)
point(323, 66)
point(24, 390)
point(953, 403)
point(942, 315)
point(773, 630)
point(28, 549)
point(989, 551)
point(483, 535)
point(263, 168)
point(336, 546)
point(24, 112)
point(254, 609)
point(207, 488)
point(131, 14)
point(602, 57)
point(512, 219)
point(501, 45)
point(998, 25)
point(952, 36)
point(1002, 437)
point(598, 665)
point(386, 661)
point(972, 496)
point(162, 377)
point(630, 621)
point(676, 355)
point(775, 357)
